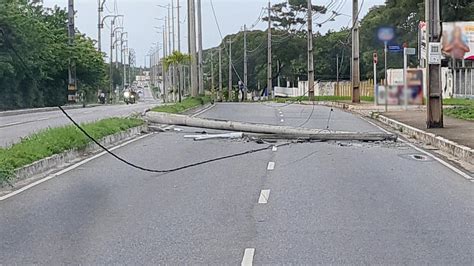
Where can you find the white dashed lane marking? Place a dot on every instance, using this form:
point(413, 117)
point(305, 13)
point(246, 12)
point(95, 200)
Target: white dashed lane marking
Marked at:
point(271, 166)
point(274, 148)
point(247, 260)
point(264, 194)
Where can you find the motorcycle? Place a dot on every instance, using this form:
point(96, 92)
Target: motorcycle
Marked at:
point(130, 97)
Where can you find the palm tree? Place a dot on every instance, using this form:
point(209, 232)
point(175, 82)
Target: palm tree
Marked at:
point(177, 60)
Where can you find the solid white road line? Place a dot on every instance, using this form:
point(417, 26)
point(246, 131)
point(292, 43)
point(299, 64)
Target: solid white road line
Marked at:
point(247, 260)
point(446, 164)
point(271, 166)
point(72, 167)
point(264, 194)
point(203, 111)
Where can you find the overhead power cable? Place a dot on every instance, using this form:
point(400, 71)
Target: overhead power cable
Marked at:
point(28, 73)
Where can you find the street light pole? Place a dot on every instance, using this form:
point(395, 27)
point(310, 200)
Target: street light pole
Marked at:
point(111, 70)
point(100, 25)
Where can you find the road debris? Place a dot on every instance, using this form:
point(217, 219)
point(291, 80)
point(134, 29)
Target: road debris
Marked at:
point(265, 131)
point(234, 135)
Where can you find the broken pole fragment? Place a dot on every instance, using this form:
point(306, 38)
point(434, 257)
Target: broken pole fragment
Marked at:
point(265, 131)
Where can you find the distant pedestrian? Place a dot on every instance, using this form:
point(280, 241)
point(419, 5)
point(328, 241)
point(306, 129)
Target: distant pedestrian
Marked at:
point(242, 89)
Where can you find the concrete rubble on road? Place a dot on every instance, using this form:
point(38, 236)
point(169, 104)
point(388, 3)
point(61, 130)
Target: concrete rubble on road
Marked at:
point(265, 131)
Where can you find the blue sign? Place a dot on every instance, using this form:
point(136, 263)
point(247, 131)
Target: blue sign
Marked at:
point(394, 49)
point(386, 34)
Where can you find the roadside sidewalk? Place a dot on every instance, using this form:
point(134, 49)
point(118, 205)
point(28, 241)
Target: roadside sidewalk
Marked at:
point(455, 139)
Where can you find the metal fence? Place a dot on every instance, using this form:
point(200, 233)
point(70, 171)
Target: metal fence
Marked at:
point(463, 78)
point(345, 88)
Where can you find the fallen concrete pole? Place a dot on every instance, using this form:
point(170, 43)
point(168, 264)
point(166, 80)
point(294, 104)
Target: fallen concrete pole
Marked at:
point(361, 136)
point(277, 131)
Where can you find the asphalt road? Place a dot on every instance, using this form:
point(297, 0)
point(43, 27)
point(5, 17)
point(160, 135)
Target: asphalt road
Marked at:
point(320, 203)
point(13, 128)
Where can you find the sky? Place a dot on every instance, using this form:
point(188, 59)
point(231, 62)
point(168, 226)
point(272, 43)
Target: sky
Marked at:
point(139, 19)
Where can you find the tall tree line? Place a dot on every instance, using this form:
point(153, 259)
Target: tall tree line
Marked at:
point(289, 43)
point(34, 56)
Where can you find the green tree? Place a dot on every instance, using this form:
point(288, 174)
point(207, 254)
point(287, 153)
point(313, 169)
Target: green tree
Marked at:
point(177, 60)
point(34, 56)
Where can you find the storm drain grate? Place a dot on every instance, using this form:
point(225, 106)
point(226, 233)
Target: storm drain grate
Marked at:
point(419, 157)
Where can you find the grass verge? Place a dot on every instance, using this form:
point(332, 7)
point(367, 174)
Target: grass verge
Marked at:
point(183, 106)
point(463, 108)
point(461, 112)
point(57, 140)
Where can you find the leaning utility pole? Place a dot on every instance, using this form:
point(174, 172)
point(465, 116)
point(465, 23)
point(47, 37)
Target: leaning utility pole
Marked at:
point(200, 65)
point(355, 71)
point(230, 70)
point(220, 72)
point(310, 53)
point(192, 42)
point(245, 63)
point(269, 56)
point(72, 89)
point(434, 116)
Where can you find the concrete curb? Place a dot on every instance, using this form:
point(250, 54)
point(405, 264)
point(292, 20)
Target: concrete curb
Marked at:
point(43, 110)
point(457, 150)
point(67, 157)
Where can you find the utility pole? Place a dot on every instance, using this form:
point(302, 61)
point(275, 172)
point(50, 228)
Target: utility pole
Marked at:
point(269, 56)
point(212, 76)
point(355, 77)
point(124, 56)
point(200, 65)
point(173, 25)
point(100, 24)
point(163, 75)
point(310, 53)
point(230, 70)
point(111, 66)
point(72, 82)
point(178, 7)
point(192, 42)
point(245, 63)
point(220, 72)
point(337, 74)
point(434, 116)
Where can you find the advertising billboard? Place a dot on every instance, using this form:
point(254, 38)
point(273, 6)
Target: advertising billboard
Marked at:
point(458, 40)
point(395, 89)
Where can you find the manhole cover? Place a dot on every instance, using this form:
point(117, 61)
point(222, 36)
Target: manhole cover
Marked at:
point(419, 157)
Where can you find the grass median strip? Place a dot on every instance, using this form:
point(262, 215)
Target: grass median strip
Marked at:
point(57, 140)
point(183, 106)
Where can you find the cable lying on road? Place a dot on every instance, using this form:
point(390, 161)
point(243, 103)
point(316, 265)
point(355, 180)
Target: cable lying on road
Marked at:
point(166, 170)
